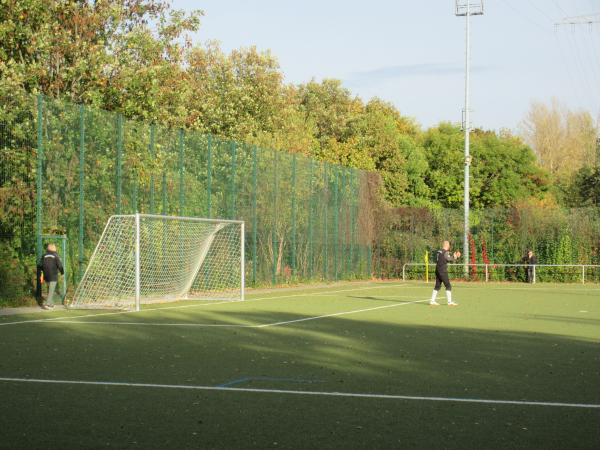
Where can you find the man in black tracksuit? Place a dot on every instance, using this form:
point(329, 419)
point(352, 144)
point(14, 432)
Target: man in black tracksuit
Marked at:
point(50, 265)
point(531, 261)
point(443, 257)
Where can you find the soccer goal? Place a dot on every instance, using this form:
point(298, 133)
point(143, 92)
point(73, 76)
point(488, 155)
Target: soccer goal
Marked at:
point(144, 258)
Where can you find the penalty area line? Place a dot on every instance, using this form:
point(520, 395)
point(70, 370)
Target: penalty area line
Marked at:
point(304, 393)
point(114, 313)
point(233, 325)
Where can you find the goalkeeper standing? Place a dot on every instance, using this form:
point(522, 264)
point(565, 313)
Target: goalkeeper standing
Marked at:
point(443, 257)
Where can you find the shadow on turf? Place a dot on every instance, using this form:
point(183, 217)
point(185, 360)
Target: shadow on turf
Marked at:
point(348, 353)
point(567, 319)
point(382, 354)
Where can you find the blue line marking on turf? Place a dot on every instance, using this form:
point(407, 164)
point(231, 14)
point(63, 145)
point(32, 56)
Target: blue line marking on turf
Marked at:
point(248, 379)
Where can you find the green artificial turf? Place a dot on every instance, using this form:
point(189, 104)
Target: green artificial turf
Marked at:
point(504, 342)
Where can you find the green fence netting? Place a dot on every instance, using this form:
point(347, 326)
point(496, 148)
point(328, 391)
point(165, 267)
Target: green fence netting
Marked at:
point(301, 214)
point(65, 168)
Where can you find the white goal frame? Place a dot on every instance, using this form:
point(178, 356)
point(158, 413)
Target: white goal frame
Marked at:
point(203, 253)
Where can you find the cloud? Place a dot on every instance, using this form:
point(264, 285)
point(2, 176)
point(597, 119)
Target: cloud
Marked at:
point(413, 70)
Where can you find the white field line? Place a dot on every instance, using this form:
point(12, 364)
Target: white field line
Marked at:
point(196, 305)
point(305, 393)
point(232, 325)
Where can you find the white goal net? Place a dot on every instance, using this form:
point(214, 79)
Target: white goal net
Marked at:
point(146, 258)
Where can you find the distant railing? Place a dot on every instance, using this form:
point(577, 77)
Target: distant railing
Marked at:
point(487, 268)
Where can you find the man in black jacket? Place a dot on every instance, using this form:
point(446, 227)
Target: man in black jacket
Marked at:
point(531, 261)
point(50, 265)
point(443, 257)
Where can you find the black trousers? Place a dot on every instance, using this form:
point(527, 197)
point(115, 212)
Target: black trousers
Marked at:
point(442, 277)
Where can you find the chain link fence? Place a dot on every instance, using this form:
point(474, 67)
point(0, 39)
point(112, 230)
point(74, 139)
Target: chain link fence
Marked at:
point(65, 168)
point(77, 166)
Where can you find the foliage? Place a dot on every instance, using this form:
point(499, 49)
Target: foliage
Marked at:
point(503, 168)
point(564, 141)
point(133, 62)
point(585, 187)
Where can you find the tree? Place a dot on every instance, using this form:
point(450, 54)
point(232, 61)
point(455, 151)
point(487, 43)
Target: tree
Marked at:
point(563, 140)
point(585, 188)
point(503, 168)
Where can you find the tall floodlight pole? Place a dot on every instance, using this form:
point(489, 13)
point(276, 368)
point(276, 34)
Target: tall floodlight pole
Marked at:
point(467, 9)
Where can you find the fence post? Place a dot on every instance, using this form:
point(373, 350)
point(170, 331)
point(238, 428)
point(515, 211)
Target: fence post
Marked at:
point(151, 148)
point(164, 192)
point(310, 222)
point(181, 170)
point(326, 225)
point(354, 197)
point(534, 274)
point(583, 274)
point(135, 191)
point(209, 178)
point(486, 273)
point(404, 272)
point(254, 218)
point(274, 227)
point(119, 160)
point(342, 223)
point(370, 260)
point(39, 174)
point(293, 215)
point(232, 179)
point(379, 261)
point(336, 223)
point(81, 189)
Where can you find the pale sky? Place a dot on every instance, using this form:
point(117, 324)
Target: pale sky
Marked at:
point(411, 53)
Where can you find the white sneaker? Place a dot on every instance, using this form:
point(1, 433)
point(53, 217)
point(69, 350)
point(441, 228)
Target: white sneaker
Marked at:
point(452, 304)
point(433, 303)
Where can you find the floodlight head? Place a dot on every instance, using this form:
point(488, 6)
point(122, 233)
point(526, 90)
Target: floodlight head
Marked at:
point(473, 8)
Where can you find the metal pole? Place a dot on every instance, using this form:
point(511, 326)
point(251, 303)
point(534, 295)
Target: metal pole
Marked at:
point(336, 224)
point(119, 161)
point(325, 228)
point(181, 178)
point(81, 188)
point(137, 262)
point(66, 266)
point(39, 175)
point(151, 149)
point(242, 261)
point(254, 218)
point(209, 179)
point(275, 214)
point(232, 179)
point(311, 211)
point(164, 193)
point(293, 215)
point(135, 191)
point(467, 140)
point(370, 260)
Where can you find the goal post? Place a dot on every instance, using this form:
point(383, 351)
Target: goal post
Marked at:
point(146, 258)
